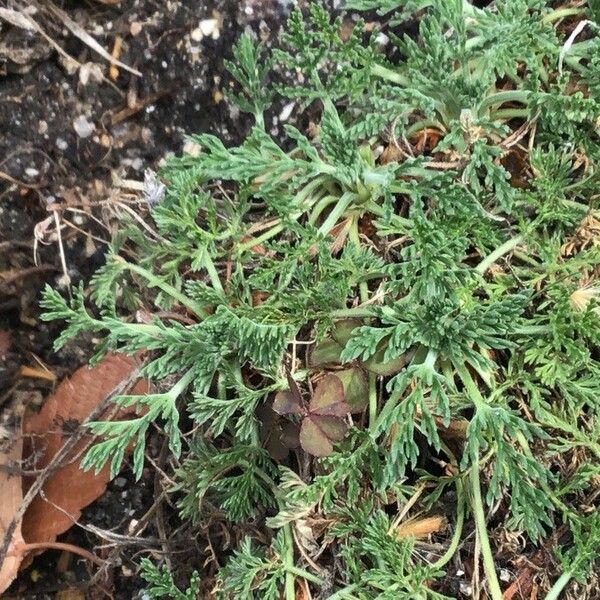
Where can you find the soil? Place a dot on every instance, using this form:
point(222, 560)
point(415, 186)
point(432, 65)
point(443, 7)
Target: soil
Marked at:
point(73, 136)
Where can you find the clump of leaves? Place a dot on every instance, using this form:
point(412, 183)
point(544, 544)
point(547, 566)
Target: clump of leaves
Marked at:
point(392, 312)
point(322, 419)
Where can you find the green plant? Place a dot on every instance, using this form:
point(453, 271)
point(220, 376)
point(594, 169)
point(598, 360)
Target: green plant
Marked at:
point(423, 263)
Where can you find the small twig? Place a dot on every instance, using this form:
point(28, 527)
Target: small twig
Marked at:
point(21, 549)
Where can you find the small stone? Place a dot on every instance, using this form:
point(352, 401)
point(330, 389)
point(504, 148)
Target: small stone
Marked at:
point(197, 34)
point(382, 39)
point(504, 575)
point(31, 172)
point(120, 482)
point(90, 71)
point(466, 589)
point(42, 127)
point(285, 113)
point(191, 148)
point(61, 144)
point(64, 281)
point(137, 164)
point(210, 28)
point(83, 128)
point(135, 28)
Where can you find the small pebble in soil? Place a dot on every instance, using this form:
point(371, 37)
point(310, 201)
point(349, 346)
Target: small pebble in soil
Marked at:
point(83, 128)
point(466, 589)
point(285, 113)
point(120, 482)
point(61, 144)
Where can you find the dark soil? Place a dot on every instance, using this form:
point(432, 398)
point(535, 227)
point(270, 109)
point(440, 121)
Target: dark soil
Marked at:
point(67, 140)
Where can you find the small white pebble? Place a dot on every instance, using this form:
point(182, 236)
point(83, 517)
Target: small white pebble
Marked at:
point(382, 39)
point(31, 172)
point(135, 28)
point(466, 589)
point(286, 111)
point(197, 34)
point(64, 281)
point(209, 28)
point(83, 128)
point(61, 144)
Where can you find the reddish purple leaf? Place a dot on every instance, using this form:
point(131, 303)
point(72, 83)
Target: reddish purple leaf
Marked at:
point(356, 388)
point(289, 435)
point(313, 439)
point(333, 427)
point(328, 398)
point(286, 404)
point(318, 432)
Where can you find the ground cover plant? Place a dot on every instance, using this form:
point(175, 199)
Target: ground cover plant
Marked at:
point(374, 343)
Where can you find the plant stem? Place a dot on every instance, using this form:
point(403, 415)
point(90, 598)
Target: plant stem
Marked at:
point(288, 559)
point(561, 13)
point(364, 297)
point(521, 96)
point(352, 313)
point(460, 515)
point(306, 575)
point(477, 507)
point(180, 386)
point(424, 124)
point(491, 258)
point(155, 281)
point(401, 222)
point(559, 585)
point(337, 211)
point(532, 330)
point(267, 235)
point(213, 275)
point(320, 207)
point(481, 528)
point(509, 113)
point(344, 594)
point(389, 75)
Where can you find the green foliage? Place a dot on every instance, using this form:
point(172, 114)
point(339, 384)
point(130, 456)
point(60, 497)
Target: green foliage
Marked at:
point(254, 573)
point(161, 584)
point(381, 566)
point(337, 314)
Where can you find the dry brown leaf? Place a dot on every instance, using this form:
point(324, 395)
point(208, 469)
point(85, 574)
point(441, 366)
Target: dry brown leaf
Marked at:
point(11, 494)
point(420, 528)
point(69, 489)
